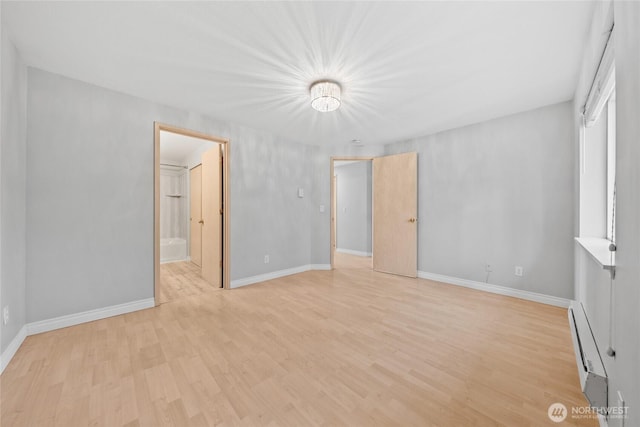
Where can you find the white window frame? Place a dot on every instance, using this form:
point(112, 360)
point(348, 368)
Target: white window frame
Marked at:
point(611, 166)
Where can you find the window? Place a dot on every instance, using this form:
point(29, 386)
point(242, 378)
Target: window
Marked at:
point(611, 166)
point(598, 154)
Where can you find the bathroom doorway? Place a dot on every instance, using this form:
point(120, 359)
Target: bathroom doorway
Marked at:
point(191, 206)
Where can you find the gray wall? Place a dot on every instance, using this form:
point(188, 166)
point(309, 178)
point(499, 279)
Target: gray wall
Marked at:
point(13, 118)
point(592, 284)
point(321, 221)
point(267, 215)
point(626, 373)
point(90, 196)
point(354, 206)
point(499, 193)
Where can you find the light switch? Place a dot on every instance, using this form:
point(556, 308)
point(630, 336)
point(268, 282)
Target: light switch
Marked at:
point(301, 192)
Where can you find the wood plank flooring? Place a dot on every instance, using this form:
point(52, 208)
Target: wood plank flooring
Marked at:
point(342, 261)
point(181, 279)
point(346, 347)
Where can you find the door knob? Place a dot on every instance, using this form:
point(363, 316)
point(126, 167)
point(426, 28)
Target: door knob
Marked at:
point(201, 222)
point(413, 219)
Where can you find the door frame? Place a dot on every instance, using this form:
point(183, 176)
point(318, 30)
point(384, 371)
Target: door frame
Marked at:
point(333, 202)
point(226, 196)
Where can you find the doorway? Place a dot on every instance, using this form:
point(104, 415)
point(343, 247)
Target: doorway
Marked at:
point(394, 214)
point(351, 213)
point(191, 225)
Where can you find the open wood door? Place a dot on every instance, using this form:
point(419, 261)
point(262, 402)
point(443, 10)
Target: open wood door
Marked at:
point(212, 217)
point(195, 219)
point(395, 214)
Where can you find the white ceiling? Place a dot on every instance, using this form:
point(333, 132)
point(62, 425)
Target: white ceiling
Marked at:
point(407, 68)
point(176, 148)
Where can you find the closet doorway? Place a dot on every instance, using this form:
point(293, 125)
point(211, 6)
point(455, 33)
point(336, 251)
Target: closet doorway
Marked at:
point(191, 244)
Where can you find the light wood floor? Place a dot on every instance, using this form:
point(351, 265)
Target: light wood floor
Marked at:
point(181, 279)
point(346, 347)
point(342, 261)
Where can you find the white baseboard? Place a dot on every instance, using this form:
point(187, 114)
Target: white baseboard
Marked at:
point(88, 316)
point(69, 320)
point(13, 347)
point(236, 283)
point(351, 252)
point(115, 310)
point(496, 289)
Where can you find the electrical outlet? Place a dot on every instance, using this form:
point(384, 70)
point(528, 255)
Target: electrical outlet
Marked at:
point(266, 259)
point(487, 268)
point(5, 315)
point(519, 271)
point(321, 208)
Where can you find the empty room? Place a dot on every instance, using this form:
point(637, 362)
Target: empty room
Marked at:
point(318, 213)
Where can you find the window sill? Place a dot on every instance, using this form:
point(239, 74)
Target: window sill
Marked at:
point(599, 250)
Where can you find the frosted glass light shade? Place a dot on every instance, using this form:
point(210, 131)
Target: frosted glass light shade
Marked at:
point(325, 96)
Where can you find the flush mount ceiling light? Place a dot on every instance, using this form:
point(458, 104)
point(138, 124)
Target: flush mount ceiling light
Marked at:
point(325, 95)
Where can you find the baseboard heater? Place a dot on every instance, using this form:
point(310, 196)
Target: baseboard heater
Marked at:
point(593, 377)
